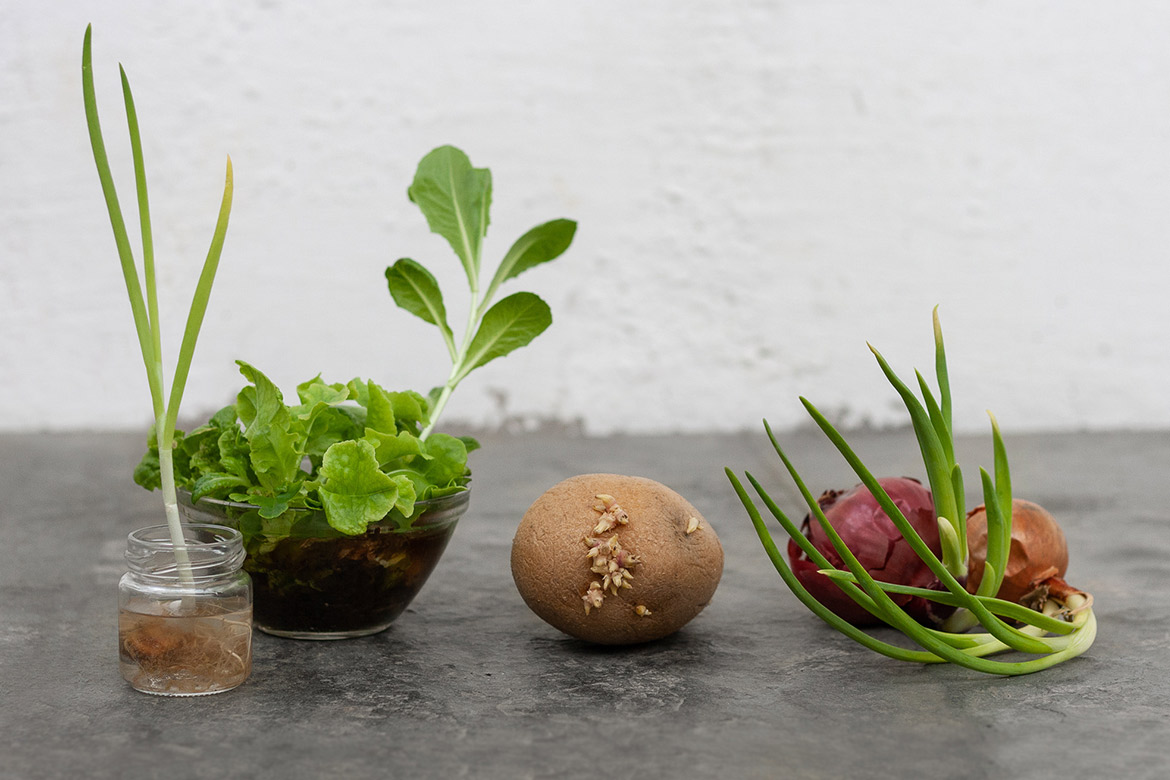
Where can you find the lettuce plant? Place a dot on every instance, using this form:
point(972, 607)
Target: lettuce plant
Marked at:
point(455, 199)
point(143, 294)
point(358, 451)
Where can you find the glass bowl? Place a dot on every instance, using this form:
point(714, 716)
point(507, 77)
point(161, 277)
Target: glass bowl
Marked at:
point(314, 582)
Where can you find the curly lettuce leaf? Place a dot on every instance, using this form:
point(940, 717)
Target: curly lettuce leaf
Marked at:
point(392, 447)
point(446, 459)
point(215, 484)
point(272, 507)
point(200, 448)
point(316, 391)
point(441, 464)
point(355, 492)
point(379, 409)
point(148, 472)
point(235, 455)
point(360, 442)
point(329, 426)
point(276, 444)
point(411, 410)
point(320, 421)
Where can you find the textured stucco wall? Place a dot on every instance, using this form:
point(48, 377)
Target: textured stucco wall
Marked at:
point(761, 188)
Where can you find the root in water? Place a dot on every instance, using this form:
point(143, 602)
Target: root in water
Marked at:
point(197, 652)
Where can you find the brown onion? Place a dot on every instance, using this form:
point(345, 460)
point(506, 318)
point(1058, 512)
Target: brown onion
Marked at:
point(1038, 551)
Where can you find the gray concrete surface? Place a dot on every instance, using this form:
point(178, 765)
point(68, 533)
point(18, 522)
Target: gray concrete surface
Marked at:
point(469, 683)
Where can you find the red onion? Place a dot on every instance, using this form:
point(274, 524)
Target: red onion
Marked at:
point(878, 545)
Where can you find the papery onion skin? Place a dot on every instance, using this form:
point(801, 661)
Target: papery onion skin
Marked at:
point(1038, 550)
point(878, 545)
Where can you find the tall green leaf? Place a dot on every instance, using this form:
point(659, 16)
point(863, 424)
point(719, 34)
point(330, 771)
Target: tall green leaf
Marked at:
point(199, 302)
point(138, 305)
point(148, 269)
point(934, 458)
point(940, 369)
point(998, 542)
point(455, 198)
point(509, 325)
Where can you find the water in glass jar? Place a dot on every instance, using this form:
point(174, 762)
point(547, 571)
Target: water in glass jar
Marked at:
point(172, 649)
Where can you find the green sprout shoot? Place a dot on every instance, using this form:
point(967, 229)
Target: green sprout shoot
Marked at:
point(1062, 627)
point(145, 305)
point(456, 198)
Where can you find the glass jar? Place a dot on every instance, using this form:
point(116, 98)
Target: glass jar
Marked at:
point(185, 622)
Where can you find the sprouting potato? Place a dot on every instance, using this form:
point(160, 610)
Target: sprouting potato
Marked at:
point(615, 559)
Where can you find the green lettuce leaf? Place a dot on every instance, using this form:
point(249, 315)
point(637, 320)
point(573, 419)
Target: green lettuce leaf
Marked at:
point(379, 409)
point(148, 472)
point(235, 455)
point(539, 245)
point(447, 459)
point(276, 444)
point(455, 198)
point(392, 447)
point(506, 326)
point(216, 485)
point(315, 391)
point(329, 426)
point(355, 492)
point(272, 507)
point(411, 410)
point(254, 452)
point(416, 290)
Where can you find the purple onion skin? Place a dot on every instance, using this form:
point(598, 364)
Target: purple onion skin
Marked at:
point(878, 545)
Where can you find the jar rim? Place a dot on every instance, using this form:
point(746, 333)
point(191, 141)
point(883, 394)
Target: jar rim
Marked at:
point(158, 537)
point(209, 550)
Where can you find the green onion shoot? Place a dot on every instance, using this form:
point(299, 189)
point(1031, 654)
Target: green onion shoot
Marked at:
point(1033, 611)
point(144, 295)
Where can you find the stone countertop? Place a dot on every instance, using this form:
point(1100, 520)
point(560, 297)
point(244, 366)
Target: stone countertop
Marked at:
point(469, 683)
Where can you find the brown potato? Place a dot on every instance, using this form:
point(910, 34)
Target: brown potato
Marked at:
point(615, 560)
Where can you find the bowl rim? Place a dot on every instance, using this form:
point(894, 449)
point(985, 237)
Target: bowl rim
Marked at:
point(427, 515)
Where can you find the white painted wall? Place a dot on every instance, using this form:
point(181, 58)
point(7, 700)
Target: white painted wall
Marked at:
point(761, 188)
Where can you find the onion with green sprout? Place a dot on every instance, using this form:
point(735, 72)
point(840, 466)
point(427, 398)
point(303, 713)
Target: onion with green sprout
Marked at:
point(864, 526)
point(1038, 553)
point(1054, 623)
point(144, 300)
